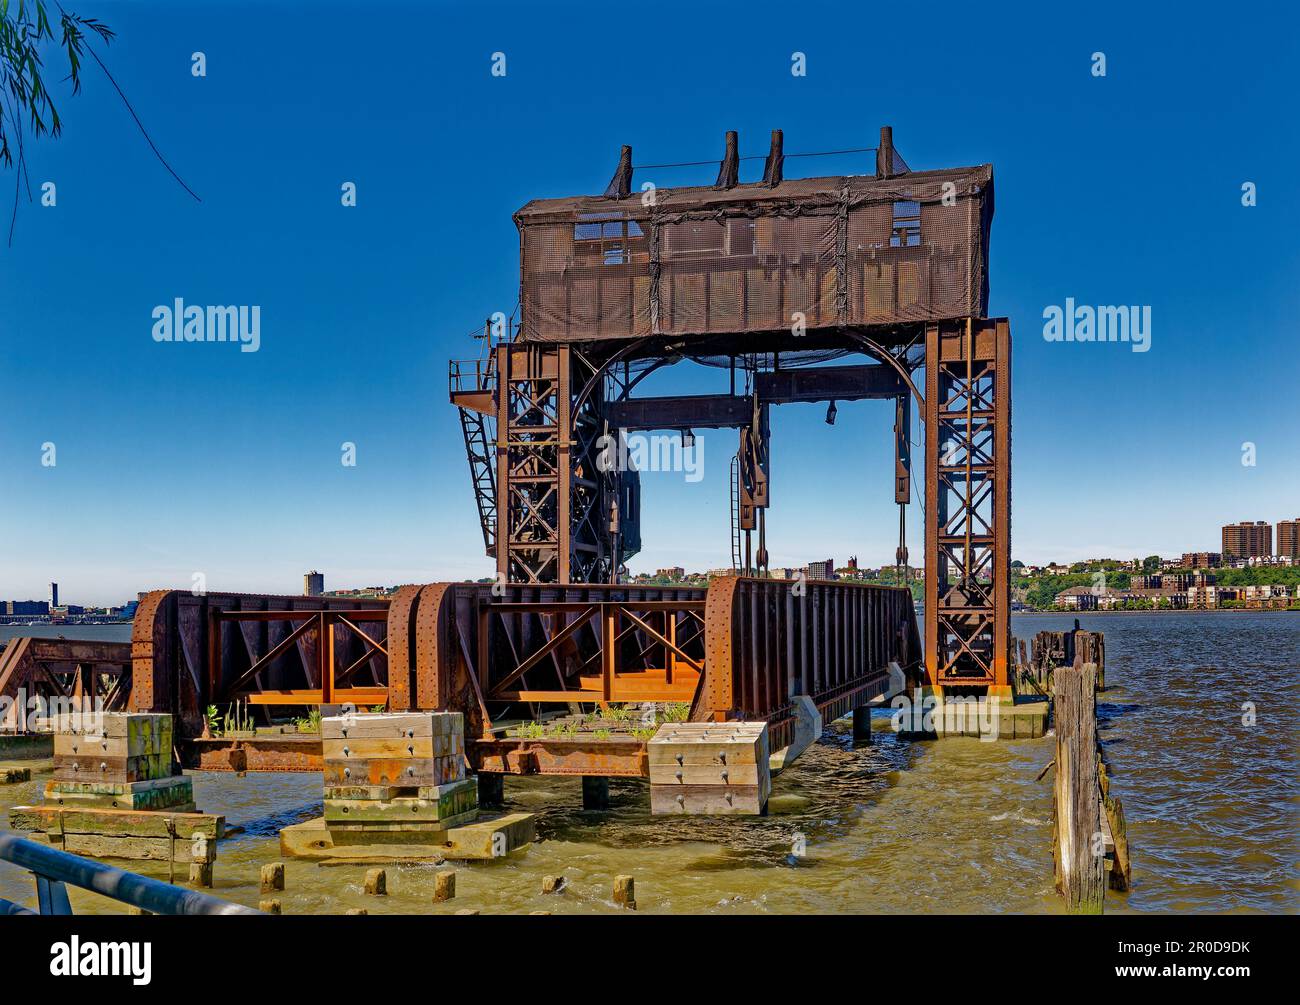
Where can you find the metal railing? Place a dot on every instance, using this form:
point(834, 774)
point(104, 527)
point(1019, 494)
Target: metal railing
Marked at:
point(53, 869)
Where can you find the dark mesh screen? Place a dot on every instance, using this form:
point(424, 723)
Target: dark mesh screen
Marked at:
point(827, 251)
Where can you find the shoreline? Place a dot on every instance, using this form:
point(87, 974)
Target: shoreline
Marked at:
point(1183, 610)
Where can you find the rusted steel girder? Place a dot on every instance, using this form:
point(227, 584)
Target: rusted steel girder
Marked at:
point(968, 502)
point(78, 672)
point(190, 651)
point(742, 649)
point(768, 641)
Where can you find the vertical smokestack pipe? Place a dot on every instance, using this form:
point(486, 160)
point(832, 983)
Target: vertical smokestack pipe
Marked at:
point(774, 167)
point(729, 169)
point(885, 153)
point(620, 186)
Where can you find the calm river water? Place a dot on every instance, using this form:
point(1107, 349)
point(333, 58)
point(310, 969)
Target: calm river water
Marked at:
point(907, 827)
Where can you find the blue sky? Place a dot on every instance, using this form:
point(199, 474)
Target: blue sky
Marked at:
point(176, 459)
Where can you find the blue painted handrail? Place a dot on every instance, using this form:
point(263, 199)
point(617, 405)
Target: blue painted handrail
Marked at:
point(53, 868)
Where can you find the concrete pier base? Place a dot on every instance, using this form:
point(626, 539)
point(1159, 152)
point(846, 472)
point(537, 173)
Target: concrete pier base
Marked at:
point(595, 793)
point(929, 713)
point(493, 836)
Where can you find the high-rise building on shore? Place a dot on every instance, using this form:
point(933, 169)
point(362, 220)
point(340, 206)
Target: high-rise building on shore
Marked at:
point(822, 570)
point(54, 594)
point(1288, 538)
point(313, 584)
point(1247, 540)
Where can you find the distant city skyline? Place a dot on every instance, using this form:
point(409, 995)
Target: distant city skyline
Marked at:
point(176, 460)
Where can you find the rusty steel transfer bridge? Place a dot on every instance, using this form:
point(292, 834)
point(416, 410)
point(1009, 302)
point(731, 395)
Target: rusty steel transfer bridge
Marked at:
point(780, 284)
point(739, 649)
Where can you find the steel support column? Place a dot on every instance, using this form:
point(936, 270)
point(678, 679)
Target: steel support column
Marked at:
point(554, 497)
point(968, 502)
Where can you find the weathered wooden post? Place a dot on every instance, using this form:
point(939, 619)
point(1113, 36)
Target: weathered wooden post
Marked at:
point(1078, 840)
point(272, 877)
point(553, 884)
point(444, 885)
point(625, 892)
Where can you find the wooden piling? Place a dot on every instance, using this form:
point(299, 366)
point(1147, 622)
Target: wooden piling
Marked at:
point(270, 906)
point(444, 885)
point(272, 877)
point(201, 874)
point(356, 910)
point(1078, 841)
point(553, 884)
point(377, 882)
point(625, 892)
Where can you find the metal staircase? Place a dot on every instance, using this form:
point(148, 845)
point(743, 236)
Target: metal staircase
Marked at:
point(473, 390)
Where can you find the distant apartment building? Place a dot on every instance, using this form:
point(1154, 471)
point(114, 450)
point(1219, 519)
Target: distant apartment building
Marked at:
point(853, 563)
point(1202, 598)
point(822, 570)
point(1288, 539)
point(1077, 598)
point(674, 573)
point(1247, 540)
point(313, 584)
point(1151, 581)
point(1201, 560)
point(15, 607)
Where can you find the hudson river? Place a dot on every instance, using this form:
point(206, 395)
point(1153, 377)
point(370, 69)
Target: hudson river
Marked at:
point(1213, 807)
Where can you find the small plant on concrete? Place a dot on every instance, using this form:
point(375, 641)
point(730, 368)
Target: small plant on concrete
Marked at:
point(676, 711)
point(602, 734)
point(238, 719)
point(213, 718)
point(528, 731)
point(310, 723)
point(644, 733)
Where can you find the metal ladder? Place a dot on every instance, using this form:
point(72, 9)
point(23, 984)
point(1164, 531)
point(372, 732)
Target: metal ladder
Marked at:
point(735, 512)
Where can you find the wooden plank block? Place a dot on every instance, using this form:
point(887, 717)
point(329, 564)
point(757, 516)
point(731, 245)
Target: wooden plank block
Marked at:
point(375, 825)
point(351, 748)
point(153, 849)
point(392, 771)
point(99, 745)
point(143, 767)
point(148, 727)
point(128, 823)
point(707, 800)
point(391, 725)
point(159, 794)
point(708, 774)
point(369, 791)
point(453, 801)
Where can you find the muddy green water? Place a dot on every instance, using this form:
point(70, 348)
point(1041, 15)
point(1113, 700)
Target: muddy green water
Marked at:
point(897, 826)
